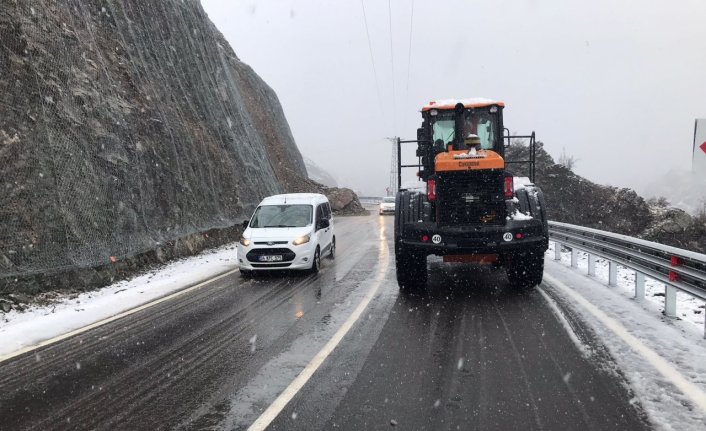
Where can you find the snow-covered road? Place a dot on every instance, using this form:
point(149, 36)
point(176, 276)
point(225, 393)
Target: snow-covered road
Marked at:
point(574, 354)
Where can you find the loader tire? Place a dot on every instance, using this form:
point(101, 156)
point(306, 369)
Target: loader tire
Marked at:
point(411, 266)
point(525, 270)
point(411, 270)
point(409, 208)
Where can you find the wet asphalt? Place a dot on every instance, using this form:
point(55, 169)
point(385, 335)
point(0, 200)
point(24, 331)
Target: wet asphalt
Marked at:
point(467, 353)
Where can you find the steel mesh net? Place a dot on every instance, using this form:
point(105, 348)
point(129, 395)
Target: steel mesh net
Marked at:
point(122, 127)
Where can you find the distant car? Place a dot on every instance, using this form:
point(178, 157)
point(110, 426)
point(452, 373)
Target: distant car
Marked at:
point(291, 231)
point(387, 206)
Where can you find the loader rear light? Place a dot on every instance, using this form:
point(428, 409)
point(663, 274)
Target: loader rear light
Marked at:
point(518, 235)
point(425, 238)
point(431, 190)
point(509, 189)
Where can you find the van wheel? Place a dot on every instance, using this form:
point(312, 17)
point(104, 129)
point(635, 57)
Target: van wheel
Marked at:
point(245, 273)
point(316, 262)
point(332, 253)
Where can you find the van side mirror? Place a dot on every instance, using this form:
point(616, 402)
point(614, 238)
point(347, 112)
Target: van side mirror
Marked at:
point(322, 224)
point(245, 224)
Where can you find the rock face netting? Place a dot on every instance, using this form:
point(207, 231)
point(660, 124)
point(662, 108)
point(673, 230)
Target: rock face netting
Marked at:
point(125, 125)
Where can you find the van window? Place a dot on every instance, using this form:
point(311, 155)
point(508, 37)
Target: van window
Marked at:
point(327, 211)
point(282, 216)
point(320, 212)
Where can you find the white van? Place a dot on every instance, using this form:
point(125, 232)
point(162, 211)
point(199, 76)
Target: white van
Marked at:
point(291, 231)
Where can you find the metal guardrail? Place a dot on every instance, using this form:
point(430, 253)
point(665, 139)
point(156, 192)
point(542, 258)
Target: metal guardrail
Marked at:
point(370, 199)
point(678, 269)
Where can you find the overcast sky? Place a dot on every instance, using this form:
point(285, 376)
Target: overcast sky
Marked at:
point(617, 84)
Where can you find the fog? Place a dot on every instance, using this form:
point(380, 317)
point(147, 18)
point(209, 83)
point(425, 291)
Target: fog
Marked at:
point(617, 85)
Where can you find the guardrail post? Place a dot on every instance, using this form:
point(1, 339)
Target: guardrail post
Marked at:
point(612, 273)
point(557, 250)
point(591, 265)
point(670, 301)
point(574, 258)
point(639, 286)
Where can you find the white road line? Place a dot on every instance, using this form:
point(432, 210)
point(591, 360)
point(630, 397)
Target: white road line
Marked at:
point(692, 391)
point(113, 318)
point(564, 321)
point(298, 383)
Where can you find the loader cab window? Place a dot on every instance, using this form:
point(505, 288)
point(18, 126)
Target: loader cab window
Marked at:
point(443, 129)
point(481, 124)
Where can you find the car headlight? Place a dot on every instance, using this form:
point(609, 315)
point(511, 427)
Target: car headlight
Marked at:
point(302, 240)
point(244, 241)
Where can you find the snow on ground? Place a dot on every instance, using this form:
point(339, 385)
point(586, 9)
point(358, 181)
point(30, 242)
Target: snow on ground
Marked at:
point(679, 342)
point(689, 309)
point(39, 323)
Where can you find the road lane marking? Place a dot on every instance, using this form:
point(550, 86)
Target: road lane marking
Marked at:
point(692, 391)
point(298, 383)
point(114, 317)
point(565, 322)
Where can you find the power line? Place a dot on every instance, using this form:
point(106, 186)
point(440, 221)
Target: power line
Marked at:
point(392, 67)
point(409, 55)
point(372, 59)
point(409, 52)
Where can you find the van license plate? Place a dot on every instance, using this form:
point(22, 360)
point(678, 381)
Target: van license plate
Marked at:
point(272, 258)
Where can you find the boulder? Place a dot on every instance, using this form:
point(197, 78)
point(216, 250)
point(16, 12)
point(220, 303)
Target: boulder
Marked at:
point(5, 305)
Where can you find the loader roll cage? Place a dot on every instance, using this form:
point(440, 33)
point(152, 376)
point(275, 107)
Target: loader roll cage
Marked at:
point(426, 154)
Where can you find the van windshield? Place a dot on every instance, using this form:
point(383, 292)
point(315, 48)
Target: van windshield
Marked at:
point(282, 216)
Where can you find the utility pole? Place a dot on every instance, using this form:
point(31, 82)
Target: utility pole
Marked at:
point(392, 189)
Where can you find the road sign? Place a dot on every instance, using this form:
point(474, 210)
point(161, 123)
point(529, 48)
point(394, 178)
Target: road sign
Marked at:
point(698, 164)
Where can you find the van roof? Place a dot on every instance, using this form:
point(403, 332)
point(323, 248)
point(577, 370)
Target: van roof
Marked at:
point(300, 198)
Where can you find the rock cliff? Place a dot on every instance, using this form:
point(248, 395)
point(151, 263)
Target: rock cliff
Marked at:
point(126, 125)
point(574, 199)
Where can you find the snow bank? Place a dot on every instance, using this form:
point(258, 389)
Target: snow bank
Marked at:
point(679, 342)
point(39, 323)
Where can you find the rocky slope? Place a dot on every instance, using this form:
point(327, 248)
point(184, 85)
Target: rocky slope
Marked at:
point(125, 126)
point(682, 188)
point(319, 174)
point(574, 199)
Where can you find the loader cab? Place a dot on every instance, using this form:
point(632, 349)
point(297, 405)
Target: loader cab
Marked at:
point(448, 125)
point(461, 149)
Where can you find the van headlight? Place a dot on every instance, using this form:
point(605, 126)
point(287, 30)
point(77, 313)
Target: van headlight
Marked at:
point(244, 241)
point(302, 240)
